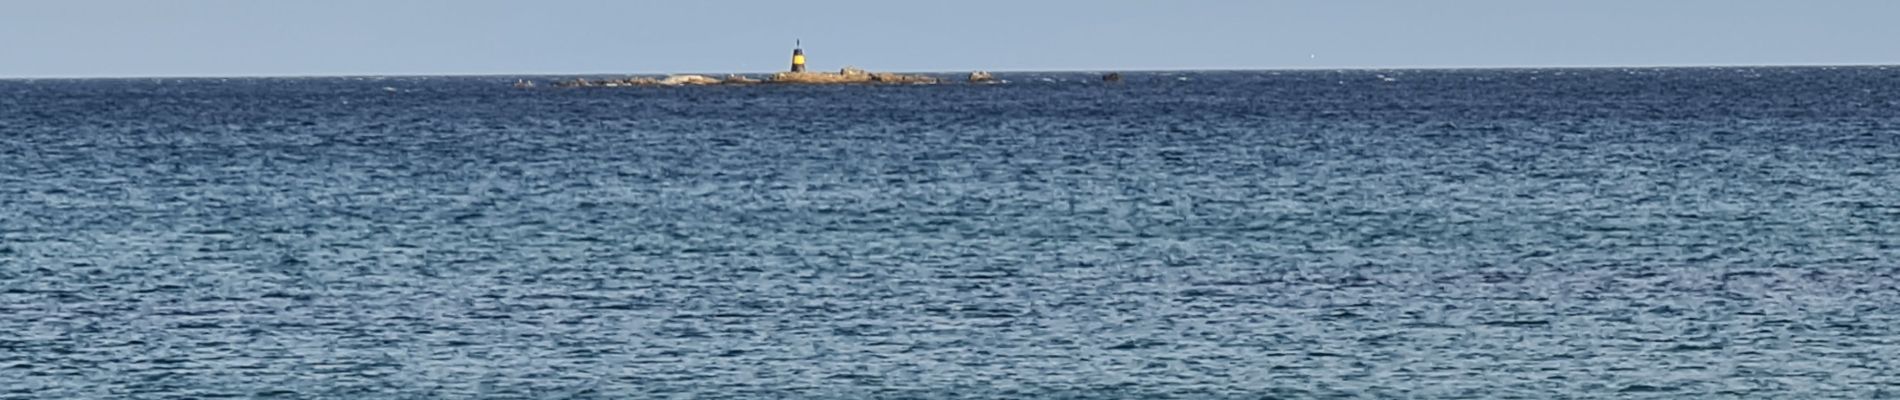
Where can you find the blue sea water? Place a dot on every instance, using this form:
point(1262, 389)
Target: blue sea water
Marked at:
point(1571, 233)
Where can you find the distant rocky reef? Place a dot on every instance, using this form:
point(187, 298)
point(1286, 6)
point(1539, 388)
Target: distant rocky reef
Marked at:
point(849, 76)
point(846, 76)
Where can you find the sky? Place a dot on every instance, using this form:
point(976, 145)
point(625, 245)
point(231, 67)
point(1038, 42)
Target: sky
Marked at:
point(201, 38)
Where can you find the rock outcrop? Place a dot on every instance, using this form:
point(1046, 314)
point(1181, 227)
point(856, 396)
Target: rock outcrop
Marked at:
point(629, 82)
point(576, 82)
point(849, 75)
point(886, 77)
point(846, 76)
point(583, 82)
point(817, 78)
point(677, 80)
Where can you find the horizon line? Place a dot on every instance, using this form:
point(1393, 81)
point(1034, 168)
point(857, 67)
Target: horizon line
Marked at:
point(1079, 70)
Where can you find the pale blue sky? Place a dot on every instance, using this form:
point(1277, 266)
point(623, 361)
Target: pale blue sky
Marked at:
point(89, 38)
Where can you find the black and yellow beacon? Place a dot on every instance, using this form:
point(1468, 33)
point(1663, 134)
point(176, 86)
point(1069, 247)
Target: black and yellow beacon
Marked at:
point(798, 57)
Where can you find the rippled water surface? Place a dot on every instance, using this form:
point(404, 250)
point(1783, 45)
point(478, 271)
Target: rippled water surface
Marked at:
point(1320, 234)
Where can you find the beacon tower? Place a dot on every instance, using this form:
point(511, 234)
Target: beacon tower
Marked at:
point(798, 57)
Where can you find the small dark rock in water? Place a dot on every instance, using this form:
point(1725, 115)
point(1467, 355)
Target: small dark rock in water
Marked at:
point(1641, 388)
point(1112, 77)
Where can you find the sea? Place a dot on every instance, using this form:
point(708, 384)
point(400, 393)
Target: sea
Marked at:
point(1305, 234)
